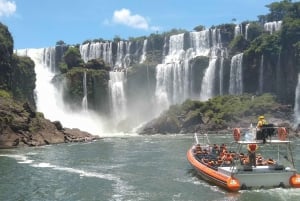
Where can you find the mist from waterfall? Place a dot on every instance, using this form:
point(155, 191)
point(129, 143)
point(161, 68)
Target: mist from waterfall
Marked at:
point(49, 99)
point(236, 75)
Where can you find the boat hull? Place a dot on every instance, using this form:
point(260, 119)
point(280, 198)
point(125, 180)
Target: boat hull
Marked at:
point(265, 180)
point(225, 181)
point(247, 178)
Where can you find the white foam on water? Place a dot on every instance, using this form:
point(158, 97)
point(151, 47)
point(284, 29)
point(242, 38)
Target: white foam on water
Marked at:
point(43, 165)
point(18, 158)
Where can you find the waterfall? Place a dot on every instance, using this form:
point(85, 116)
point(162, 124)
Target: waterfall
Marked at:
point(246, 31)
point(272, 26)
point(207, 85)
point(208, 81)
point(49, 99)
point(97, 50)
point(84, 99)
point(143, 57)
point(261, 75)
point(117, 95)
point(123, 54)
point(237, 30)
point(173, 79)
point(297, 104)
point(236, 74)
point(166, 73)
point(221, 72)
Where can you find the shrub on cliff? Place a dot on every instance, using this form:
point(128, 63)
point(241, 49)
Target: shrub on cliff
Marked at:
point(214, 114)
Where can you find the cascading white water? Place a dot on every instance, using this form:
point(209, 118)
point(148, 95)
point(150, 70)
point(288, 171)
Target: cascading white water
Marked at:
point(123, 54)
point(297, 104)
point(261, 75)
point(49, 98)
point(272, 26)
point(208, 81)
point(207, 86)
point(221, 72)
point(236, 74)
point(97, 50)
point(117, 94)
point(84, 99)
point(237, 30)
point(246, 31)
point(143, 57)
point(173, 79)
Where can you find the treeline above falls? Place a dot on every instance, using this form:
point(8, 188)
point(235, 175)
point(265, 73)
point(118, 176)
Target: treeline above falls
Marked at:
point(127, 82)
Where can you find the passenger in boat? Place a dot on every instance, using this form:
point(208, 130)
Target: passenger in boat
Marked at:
point(216, 150)
point(245, 160)
point(228, 159)
point(252, 153)
point(198, 149)
point(270, 161)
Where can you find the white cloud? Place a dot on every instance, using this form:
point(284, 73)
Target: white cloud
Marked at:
point(7, 8)
point(125, 17)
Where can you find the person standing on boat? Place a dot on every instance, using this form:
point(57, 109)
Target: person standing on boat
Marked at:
point(252, 153)
point(260, 123)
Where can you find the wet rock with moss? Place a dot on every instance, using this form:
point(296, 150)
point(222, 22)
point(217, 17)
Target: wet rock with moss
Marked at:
point(21, 125)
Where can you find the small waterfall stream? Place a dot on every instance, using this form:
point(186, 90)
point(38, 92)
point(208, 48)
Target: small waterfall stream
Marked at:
point(261, 75)
point(236, 74)
point(84, 99)
point(297, 104)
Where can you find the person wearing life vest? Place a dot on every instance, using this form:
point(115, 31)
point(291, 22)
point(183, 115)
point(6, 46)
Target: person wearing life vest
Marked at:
point(252, 153)
point(260, 123)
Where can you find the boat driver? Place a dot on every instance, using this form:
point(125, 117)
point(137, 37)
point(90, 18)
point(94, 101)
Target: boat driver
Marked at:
point(260, 123)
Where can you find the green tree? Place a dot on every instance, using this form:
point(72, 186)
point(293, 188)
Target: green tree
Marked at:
point(97, 64)
point(278, 10)
point(6, 52)
point(23, 79)
point(199, 28)
point(72, 58)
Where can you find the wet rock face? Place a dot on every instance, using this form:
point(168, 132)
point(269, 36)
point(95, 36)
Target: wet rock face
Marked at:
point(20, 126)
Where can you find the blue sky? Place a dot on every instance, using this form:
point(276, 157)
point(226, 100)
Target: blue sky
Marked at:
point(41, 23)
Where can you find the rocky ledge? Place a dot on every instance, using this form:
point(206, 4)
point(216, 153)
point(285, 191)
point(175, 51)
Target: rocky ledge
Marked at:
point(221, 114)
point(21, 125)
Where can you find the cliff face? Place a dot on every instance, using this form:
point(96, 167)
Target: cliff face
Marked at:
point(16, 73)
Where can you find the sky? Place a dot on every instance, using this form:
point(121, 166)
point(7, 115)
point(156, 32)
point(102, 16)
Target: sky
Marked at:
point(41, 23)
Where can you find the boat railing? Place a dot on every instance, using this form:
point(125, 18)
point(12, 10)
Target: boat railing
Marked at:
point(204, 138)
point(267, 132)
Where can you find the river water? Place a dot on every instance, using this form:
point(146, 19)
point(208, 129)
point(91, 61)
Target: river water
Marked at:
point(119, 168)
